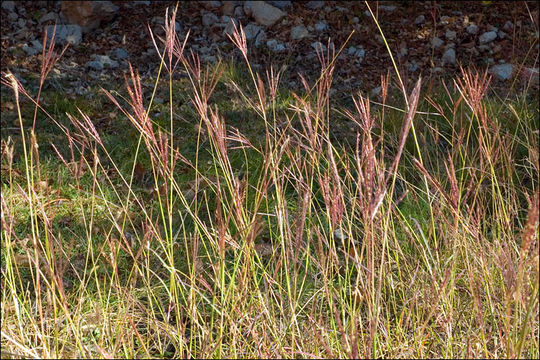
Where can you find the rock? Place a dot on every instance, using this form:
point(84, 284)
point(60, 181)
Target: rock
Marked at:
point(413, 66)
point(359, 53)
point(487, 37)
point(508, 26)
point(449, 57)
point(282, 5)
point(263, 13)
point(299, 32)
point(502, 71)
point(8, 5)
point(29, 50)
point(317, 45)
point(472, 29)
point(450, 35)
point(420, 19)
point(88, 14)
point(228, 7)
point(230, 24)
point(313, 5)
point(36, 44)
point(12, 16)
point(376, 91)
point(275, 46)
point(209, 19)
point(65, 34)
point(211, 4)
point(51, 16)
point(119, 54)
point(101, 61)
point(436, 42)
point(321, 26)
point(255, 34)
point(445, 20)
point(387, 7)
point(501, 34)
point(530, 75)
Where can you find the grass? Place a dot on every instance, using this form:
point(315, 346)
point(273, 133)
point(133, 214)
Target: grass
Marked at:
point(244, 220)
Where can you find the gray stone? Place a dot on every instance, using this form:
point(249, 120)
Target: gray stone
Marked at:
point(501, 34)
point(100, 62)
point(487, 37)
point(36, 44)
point(263, 13)
point(450, 35)
point(211, 4)
point(299, 32)
point(29, 50)
point(445, 19)
point(313, 5)
point(12, 16)
point(413, 66)
point(436, 42)
point(8, 5)
point(508, 26)
point(420, 19)
point(449, 57)
point(119, 53)
point(275, 46)
point(387, 7)
point(321, 26)
point(51, 16)
point(251, 31)
point(230, 24)
point(209, 19)
point(376, 91)
point(502, 71)
point(472, 29)
point(317, 45)
point(65, 34)
point(282, 5)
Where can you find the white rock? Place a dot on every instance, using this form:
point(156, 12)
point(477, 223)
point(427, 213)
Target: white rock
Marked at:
point(449, 57)
point(299, 32)
point(472, 29)
point(436, 42)
point(487, 37)
point(502, 71)
point(264, 13)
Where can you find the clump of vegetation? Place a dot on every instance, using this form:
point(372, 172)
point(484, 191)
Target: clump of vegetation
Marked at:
point(418, 239)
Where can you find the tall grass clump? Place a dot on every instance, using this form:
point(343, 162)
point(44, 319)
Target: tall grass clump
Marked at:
point(418, 240)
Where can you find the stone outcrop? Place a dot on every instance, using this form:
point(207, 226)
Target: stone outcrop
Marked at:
point(88, 14)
